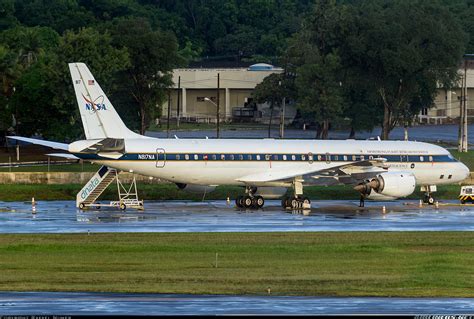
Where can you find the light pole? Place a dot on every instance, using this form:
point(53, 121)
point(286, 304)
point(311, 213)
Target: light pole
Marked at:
point(217, 114)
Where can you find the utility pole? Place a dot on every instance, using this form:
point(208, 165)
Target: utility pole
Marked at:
point(282, 118)
point(169, 113)
point(464, 140)
point(461, 117)
point(179, 100)
point(217, 111)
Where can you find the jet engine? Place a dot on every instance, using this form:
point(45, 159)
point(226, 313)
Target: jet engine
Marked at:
point(195, 188)
point(390, 185)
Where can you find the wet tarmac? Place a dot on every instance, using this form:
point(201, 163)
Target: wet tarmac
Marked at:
point(220, 216)
point(40, 303)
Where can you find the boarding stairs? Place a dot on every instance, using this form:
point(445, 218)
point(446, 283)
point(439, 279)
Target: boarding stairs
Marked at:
point(87, 196)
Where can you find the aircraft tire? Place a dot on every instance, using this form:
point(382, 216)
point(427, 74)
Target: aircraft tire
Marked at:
point(259, 201)
point(247, 201)
point(431, 200)
point(239, 202)
point(123, 206)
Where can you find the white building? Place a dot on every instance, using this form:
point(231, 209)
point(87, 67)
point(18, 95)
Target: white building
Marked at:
point(195, 87)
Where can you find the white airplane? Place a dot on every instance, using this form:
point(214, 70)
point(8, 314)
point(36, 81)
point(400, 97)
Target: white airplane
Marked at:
point(264, 167)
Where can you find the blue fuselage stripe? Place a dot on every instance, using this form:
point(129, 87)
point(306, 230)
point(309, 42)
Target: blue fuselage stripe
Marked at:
point(236, 157)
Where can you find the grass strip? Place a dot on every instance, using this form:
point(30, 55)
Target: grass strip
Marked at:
point(404, 264)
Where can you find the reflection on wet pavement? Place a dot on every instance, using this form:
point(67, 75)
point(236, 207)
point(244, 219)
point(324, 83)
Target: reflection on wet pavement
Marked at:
point(218, 216)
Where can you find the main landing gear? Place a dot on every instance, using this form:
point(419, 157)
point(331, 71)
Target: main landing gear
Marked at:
point(249, 200)
point(298, 201)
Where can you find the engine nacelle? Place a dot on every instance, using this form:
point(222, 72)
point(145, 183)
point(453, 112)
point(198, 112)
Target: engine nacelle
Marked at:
point(195, 188)
point(390, 184)
point(379, 197)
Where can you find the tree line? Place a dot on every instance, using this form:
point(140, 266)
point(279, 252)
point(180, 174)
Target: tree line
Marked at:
point(363, 62)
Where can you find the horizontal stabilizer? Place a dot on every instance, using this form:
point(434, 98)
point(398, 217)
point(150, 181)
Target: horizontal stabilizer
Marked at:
point(55, 145)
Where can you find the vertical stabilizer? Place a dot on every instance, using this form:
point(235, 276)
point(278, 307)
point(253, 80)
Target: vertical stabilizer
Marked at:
point(99, 118)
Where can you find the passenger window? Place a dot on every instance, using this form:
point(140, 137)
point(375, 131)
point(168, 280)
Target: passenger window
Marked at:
point(449, 177)
point(430, 158)
point(303, 158)
point(241, 157)
point(267, 157)
point(214, 157)
point(258, 157)
point(422, 158)
point(223, 157)
point(310, 157)
point(293, 157)
point(354, 158)
point(178, 157)
point(249, 157)
point(196, 157)
point(284, 157)
point(371, 157)
point(186, 157)
point(275, 157)
point(319, 157)
point(362, 157)
point(441, 177)
point(231, 157)
point(345, 157)
point(336, 157)
point(468, 190)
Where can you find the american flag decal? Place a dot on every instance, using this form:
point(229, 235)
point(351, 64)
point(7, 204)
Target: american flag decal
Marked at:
point(90, 82)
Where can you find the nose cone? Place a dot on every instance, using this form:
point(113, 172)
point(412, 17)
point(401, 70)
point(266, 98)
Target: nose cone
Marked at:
point(463, 171)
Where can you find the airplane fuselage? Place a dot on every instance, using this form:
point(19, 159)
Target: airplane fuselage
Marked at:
point(217, 162)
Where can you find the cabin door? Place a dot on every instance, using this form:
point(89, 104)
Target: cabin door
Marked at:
point(160, 157)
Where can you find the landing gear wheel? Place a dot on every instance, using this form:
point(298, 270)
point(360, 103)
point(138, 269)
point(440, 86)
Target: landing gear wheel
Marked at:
point(259, 201)
point(239, 202)
point(123, 206)
point(82, 206)
point(247, 201)
point(431, 200)
point(306, 200)
point(295, 203)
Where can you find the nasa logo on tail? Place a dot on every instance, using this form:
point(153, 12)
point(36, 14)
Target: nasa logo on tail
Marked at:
point(92, 106)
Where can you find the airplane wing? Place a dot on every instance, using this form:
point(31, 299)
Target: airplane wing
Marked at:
point(351, 173)
point(56, 145)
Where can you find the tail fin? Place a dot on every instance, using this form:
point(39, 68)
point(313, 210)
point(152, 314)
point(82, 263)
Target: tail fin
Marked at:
point(98, 115)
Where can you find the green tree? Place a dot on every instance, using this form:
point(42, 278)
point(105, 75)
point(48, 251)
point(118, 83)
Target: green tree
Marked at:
point(404, 49)
point(314, 52)
point(44, 94)
point(153, 54)
point(273, 89)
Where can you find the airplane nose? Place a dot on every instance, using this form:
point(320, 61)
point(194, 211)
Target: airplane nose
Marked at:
point(465, 171)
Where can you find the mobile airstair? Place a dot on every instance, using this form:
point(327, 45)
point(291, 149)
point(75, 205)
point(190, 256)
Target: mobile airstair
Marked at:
point(128, 196)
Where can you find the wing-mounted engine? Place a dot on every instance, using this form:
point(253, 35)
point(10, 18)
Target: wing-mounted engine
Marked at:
point(390, 184)
point(195, 188)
